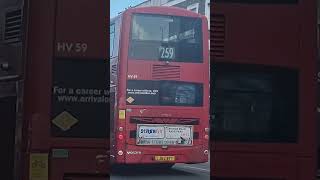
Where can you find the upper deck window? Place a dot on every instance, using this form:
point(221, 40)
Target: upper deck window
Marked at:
point(168, 38)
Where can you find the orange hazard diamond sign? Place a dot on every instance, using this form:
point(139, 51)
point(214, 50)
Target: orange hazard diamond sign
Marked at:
point(130, 100)
point(64, 121)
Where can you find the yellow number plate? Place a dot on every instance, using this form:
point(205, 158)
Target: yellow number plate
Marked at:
point(38, 166)
point(122, 114)
point(164, 158)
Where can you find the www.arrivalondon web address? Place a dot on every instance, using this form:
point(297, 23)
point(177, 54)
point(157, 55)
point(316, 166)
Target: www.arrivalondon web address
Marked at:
point(87, 99)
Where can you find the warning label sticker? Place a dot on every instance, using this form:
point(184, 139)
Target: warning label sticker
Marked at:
point(64, 121)
point(38, 166)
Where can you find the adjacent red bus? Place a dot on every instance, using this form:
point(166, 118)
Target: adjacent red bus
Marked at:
point(318, 97)
point(56, 89)
point(263, 62)
point(159, 87)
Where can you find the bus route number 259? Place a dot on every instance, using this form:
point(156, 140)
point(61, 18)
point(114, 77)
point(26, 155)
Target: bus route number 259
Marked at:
point(166, 52)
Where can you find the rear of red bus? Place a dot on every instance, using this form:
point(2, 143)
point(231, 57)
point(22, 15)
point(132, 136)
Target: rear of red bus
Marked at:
point(161, 109)
point(264, 89)
point(66, 90)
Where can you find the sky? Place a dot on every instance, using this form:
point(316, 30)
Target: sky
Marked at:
point(117, 6)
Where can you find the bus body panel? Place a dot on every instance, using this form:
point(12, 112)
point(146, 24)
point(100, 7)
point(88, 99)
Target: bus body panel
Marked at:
point(271, 36)
point(257, 31)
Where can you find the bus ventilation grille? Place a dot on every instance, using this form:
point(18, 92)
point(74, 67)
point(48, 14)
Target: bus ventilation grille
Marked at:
point(217, 36)
point(13, 24)
point(165, 72)
point(160, 120)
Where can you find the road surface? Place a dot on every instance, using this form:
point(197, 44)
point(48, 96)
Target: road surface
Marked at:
point(177, 172)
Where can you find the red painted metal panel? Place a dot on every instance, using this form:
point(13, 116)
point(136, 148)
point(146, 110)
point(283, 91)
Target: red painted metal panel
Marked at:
point(281, 35)
point(85, 24)
point(81, 162)
point(255, 165)
point(50, 22)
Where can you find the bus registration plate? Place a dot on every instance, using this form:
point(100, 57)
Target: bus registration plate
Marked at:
point(159, 134)
point(164, 158)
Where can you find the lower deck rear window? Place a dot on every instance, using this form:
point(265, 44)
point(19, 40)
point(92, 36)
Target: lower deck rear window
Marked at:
point(80, 105)
point(164, 93)
point(254, 103)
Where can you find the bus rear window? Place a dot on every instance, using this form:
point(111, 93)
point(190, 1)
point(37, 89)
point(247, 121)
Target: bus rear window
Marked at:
point(167, 38)
point(164, 93)
point(255, 104)
point(80, 98)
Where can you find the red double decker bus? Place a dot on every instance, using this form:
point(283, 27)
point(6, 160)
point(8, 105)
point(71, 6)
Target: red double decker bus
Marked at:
point(159, 86)
point(54, 89)
point(263, 61)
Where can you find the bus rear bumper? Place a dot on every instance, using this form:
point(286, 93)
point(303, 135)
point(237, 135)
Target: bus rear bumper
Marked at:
point(194, 154)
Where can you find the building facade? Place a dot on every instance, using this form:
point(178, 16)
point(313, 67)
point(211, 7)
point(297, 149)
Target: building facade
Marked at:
point(198, 6)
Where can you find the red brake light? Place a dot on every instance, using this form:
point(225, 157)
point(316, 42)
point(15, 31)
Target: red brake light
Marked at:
point(120, 136)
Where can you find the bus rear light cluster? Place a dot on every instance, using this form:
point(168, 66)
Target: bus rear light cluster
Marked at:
point(206, 136)
point(120, 128)
point(206, 152)
point(120, 136)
